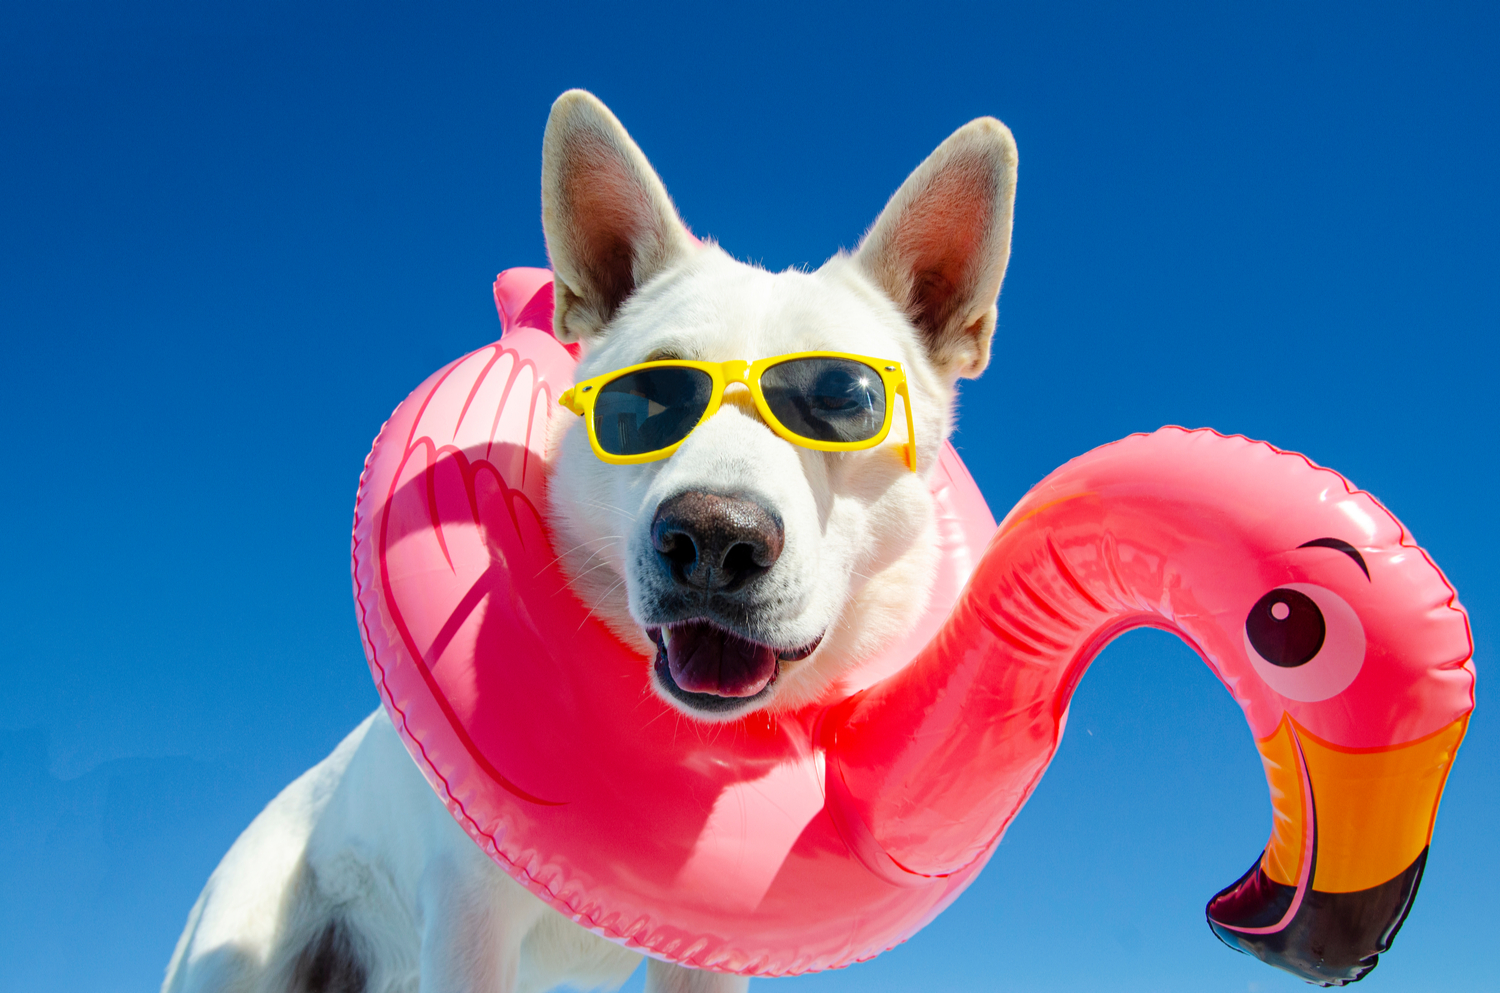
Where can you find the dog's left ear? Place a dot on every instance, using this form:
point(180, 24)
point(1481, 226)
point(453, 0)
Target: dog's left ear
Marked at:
point(940, 247)
point(609, 223)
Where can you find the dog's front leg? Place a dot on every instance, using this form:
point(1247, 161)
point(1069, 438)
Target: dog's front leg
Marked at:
point(671, 977)
point(473, 919)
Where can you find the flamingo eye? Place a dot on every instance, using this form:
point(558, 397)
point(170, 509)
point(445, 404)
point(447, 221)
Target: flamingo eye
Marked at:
point(1286, 628)
point(1305, 641)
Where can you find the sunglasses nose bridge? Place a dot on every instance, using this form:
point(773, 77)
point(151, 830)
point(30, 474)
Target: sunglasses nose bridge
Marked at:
point(736, 373)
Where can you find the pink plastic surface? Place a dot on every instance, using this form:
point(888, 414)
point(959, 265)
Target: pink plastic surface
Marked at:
point(800, 842)
point(1182, 530)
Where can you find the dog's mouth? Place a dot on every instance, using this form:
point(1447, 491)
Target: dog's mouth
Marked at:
point(709, 668)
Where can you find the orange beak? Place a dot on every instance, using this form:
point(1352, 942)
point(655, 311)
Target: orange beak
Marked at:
point(1348, 843)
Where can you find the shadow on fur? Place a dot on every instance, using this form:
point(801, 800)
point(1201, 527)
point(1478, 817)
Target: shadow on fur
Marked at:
point(329, 963)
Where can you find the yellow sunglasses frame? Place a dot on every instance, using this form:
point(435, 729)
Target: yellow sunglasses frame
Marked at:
point(580, 399)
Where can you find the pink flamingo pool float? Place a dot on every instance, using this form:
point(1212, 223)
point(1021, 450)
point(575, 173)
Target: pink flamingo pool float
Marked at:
point(805, 841)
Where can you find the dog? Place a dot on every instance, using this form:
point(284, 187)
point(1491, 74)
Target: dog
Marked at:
point(755, 572)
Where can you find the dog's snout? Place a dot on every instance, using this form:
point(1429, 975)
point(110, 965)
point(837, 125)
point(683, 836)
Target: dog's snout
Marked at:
point(715, 542)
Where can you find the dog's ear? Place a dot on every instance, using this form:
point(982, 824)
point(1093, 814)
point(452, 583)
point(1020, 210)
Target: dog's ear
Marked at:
point(940, 247)
point(609, 223)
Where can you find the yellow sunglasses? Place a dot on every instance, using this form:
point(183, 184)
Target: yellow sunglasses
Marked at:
point(829, 401)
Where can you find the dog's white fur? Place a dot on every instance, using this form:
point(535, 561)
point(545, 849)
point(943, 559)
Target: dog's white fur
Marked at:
point(356, 873)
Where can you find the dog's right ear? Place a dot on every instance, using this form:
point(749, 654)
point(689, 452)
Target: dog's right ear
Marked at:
point(609, 223)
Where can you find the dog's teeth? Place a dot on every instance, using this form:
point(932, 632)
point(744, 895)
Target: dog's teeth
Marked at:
point(666, 637)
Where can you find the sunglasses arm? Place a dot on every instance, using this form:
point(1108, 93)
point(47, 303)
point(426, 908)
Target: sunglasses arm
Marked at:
point(570, 401)
point(908, 450)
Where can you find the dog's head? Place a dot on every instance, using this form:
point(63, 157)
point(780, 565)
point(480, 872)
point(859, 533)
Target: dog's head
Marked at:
point(756, 570)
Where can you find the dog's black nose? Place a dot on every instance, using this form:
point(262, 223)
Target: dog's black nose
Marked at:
point(715, 542)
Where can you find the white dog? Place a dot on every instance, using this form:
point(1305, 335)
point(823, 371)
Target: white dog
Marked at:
point(756, 571)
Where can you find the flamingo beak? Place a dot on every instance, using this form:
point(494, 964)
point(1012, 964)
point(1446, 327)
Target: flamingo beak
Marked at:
point(1348, 844)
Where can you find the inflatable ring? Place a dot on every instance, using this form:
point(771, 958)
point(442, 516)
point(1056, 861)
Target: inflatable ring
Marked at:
point(743, 848)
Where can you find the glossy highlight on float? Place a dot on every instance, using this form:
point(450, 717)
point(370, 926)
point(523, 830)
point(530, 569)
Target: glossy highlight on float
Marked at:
point(744, 848)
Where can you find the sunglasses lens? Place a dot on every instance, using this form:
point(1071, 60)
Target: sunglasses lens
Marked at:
point(828, 400)
point(650, 409)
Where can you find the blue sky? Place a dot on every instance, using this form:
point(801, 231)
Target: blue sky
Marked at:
point(233, 236)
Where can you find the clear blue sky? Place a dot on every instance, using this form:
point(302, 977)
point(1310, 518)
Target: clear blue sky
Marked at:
point(233, 236)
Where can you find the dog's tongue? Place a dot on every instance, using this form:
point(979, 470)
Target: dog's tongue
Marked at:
point(704, 659)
